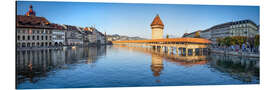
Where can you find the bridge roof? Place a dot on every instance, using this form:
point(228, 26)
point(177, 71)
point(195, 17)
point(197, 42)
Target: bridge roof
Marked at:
point(184, 40)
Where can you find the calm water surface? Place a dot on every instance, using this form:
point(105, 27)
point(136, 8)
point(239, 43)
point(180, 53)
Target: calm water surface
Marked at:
point(114, 66)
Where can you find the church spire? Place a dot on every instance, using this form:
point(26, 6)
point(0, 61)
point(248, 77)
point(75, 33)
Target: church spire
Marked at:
point(31, 11)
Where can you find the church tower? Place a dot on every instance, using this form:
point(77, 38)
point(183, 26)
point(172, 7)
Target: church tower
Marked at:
point(157, 28)
point(31, 12)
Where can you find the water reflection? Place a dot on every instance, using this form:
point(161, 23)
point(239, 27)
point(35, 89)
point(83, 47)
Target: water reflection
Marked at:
point(33, 64)
point(241, 68)
point(198, 58)
point(94, 67)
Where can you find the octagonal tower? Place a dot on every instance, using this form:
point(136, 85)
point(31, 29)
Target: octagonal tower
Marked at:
point(157, 28)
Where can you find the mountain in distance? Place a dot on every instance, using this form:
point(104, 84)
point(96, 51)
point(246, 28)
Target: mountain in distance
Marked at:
point(116, 37)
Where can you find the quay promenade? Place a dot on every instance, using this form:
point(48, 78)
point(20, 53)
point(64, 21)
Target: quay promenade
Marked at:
point(235, 53)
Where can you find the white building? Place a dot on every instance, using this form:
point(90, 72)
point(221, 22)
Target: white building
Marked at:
point(245, 28)
point(205, 34)
point(58, 35)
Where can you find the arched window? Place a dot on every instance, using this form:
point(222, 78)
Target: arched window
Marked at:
point(37, 37)
point(18, 37)
point(46, 37)
point(41, 37)
point(28, 38)
point(23, 38)
point(33, 44)
point(33, 37)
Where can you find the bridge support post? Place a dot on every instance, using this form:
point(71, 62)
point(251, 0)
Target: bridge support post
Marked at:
point(186, 51)
point(158, 48)
point(168, 48)
point(181, 51)
point(202, 51)
point(161, 49)
point(177, 51)
point(193, 51)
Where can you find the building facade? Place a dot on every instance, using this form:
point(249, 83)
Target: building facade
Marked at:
point(58, 35)
point(246, 28)
point(94, 36)
point(193, 34)
point(157, 28)
point(33, 31)
point(73, 36)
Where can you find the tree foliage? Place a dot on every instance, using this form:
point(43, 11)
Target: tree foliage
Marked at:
point(238, 40)
point(257, 40)
point(167, 36)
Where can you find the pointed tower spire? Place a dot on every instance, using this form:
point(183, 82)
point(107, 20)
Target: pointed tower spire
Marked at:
point(31, 11)
point(157, 21)
point(157, 28)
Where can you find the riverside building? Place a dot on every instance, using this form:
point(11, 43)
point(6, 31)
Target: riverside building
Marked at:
point(33, 31)
point(93, 36)
point(58, 35)
point(245, 28)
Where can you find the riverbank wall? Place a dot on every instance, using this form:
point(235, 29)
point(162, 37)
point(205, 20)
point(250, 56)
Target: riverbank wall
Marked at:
point(242, 54)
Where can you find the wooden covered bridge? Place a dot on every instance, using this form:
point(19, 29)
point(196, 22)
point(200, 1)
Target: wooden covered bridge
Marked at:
point(186, 46)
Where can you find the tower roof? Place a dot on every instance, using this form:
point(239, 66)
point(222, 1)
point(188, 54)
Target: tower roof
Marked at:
point(31, 12)
point(157, 21)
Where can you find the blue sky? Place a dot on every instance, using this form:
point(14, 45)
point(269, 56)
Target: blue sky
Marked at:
point(135, 19)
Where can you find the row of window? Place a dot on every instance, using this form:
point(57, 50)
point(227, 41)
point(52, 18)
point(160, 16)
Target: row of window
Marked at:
point(34, 31)
point(34, 38)
point(29, 44)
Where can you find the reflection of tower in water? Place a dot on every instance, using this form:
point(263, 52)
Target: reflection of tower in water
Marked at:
point(157, 65)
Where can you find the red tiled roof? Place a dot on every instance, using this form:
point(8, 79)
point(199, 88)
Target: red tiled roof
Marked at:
point(186, 39)
point(86, 29)
point(32, 21)
point(157, 21)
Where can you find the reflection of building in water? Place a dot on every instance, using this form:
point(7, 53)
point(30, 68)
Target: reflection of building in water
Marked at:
point(157, 58)
point(91, 54)
point(33, 64)
point(30, 61)
point(157, 65)
point(244, 69)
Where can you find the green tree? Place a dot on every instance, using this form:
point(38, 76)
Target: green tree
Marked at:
point(227, 41)
point(257, 40)
point(167, 36)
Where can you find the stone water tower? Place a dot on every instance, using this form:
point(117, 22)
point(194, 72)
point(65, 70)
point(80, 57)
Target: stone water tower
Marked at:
point(157, 28)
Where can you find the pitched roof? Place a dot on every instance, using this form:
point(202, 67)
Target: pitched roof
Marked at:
point(157, 21)
point(32, 21)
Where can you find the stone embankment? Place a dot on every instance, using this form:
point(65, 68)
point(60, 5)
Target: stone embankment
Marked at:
point(244, 54)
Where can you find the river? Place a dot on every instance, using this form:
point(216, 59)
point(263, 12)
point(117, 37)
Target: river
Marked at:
point(117, 66)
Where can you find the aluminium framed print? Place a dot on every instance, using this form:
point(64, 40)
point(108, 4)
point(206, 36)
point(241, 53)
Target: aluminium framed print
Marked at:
point(97, 45)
